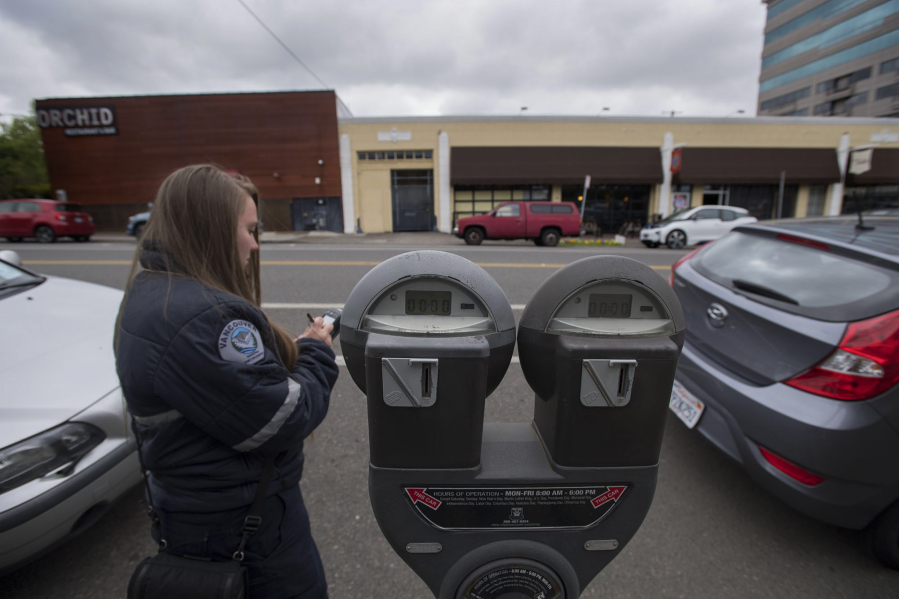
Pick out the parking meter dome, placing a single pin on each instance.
(428, 295)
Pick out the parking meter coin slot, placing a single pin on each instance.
(607, 383)
(409, 382)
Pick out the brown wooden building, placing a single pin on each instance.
(112, 153)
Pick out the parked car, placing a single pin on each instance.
(137, 223)
(66, 450)
(544, 222)
(694, 225)
(791, 363)
(45, 220)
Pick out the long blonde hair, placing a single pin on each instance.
(194, 223)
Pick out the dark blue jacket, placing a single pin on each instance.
(210, 398)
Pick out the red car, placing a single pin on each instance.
(45, 220)
(544, 222)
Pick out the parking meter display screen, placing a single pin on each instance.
(612, 307)
(438, 303)
(609, 305)
(428, 305)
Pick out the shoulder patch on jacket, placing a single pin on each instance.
(241, 342)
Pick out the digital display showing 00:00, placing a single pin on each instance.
(609, 305)
(429, 302)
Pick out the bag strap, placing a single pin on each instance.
(251, 523)
(154, 519)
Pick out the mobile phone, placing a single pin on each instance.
(333, 316)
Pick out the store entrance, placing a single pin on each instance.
(412, 199)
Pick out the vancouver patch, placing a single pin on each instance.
(240, 342)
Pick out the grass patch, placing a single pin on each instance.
(579, 241)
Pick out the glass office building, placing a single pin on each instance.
(830, 58)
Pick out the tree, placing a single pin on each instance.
(23, 172)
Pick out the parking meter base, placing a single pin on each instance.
(460, 529)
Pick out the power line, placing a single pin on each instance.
(283, 45)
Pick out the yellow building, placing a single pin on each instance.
(422, 173)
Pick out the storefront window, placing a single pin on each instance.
(470, 200)
(615, 209)
(761, 200)
(817, 197)
(870, 197)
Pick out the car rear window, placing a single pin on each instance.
(817, 280)
(562, 209)
(541, 208)
(68, 208)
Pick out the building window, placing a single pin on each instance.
(612, 209)
(840, 32)
(849, 54)
(405, 155)
(843, 82)
(786, 99)
(817, 196)
(889, 66)
(870, 197)
(888, 92)
(780, 7)
(828, 10)
(838, 107)
(800, 112)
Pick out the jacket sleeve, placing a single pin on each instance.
(218, 374)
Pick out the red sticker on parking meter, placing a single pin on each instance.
(466, 508)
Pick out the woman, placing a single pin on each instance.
(215, 387)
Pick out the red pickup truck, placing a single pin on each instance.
(544, 222)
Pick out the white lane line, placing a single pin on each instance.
(281, 306)
(341, 362)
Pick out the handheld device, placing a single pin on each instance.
(330, 316)
(333, 316)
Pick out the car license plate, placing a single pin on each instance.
(685, 405)
(78, 219)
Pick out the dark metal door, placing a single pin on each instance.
(413, 199)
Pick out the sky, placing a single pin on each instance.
(396, 57)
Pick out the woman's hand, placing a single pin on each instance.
(318, 329)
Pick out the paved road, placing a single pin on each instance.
(710, 533)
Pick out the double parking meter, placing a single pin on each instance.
(511, 510)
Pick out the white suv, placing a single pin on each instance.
(694, 225)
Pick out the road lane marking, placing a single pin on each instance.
(312, 263)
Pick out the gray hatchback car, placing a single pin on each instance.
(791, 361)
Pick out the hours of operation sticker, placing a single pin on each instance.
(466, 508)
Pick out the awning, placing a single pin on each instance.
(555, 165)
(884, 169)
(722, 166)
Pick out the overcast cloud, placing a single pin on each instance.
(396, 57)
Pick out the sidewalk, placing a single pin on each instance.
(418, 239)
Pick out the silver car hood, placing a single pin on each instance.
(57, 359)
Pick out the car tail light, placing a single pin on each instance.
(61, 217)
(803, 241)
(864, 365)
(679, 262)
(791, 469)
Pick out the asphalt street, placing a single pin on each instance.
(711, 531)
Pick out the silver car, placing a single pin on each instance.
(66, 450)
(791, 363)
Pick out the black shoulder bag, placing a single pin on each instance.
(168, 576)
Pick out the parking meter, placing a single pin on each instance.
(427, 336)
(511, 510)
(599, 344)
